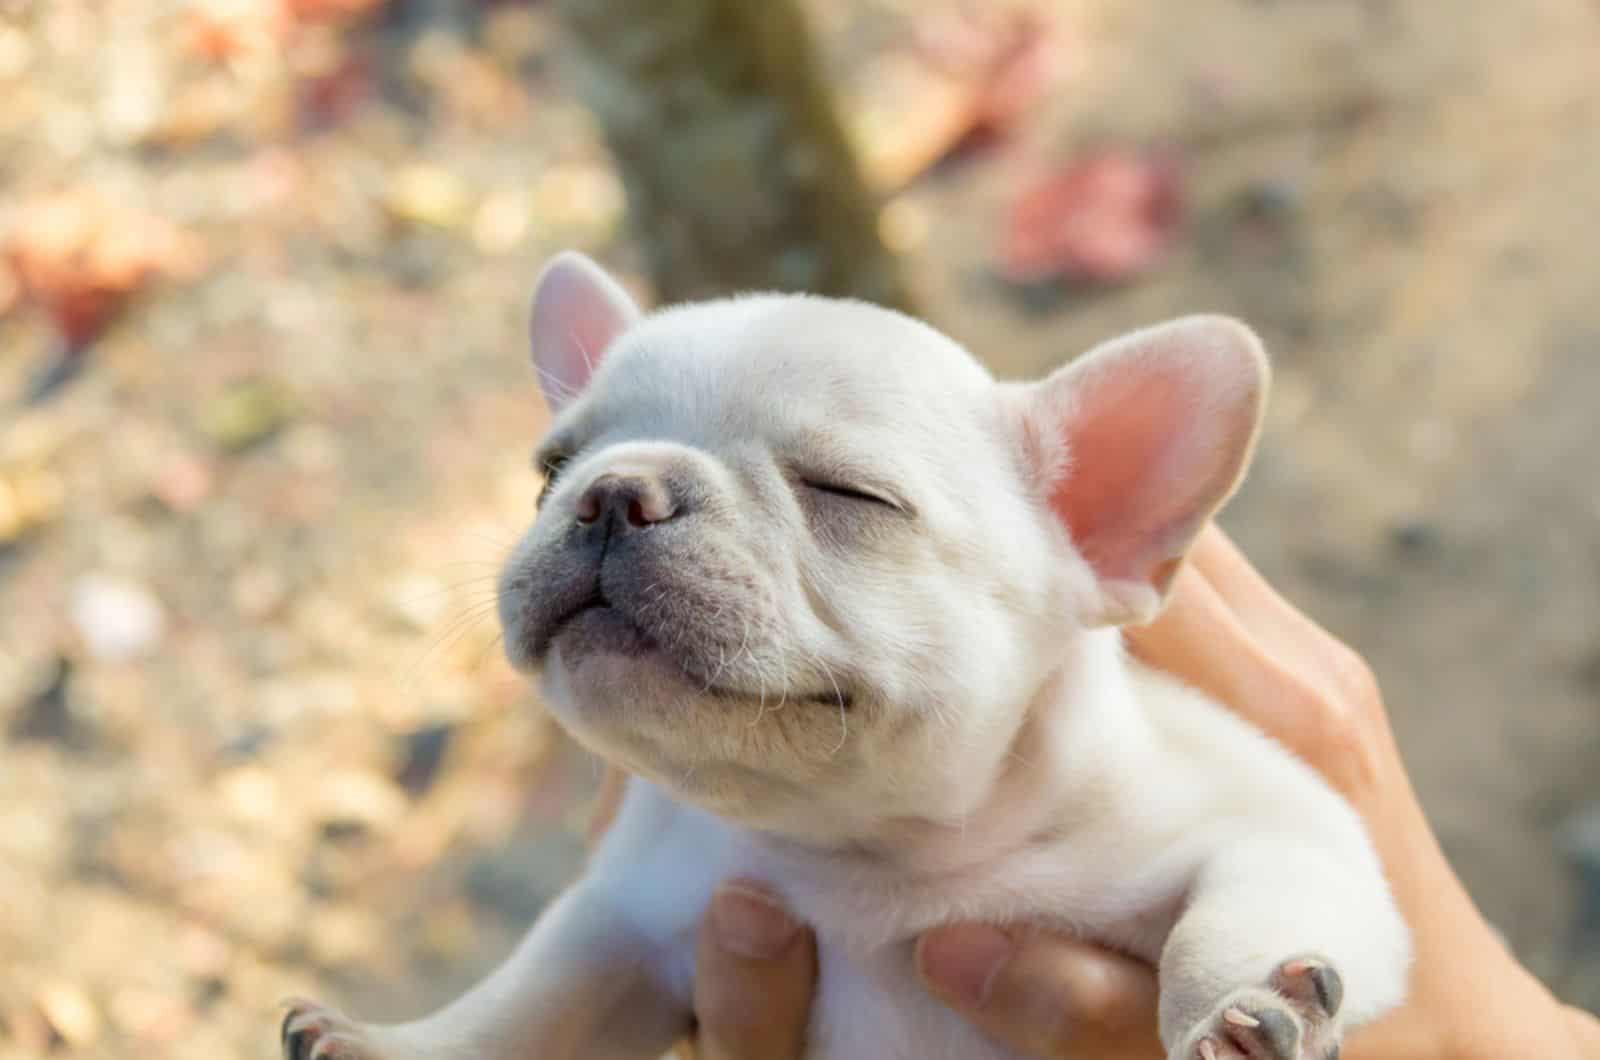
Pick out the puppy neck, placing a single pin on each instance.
(1083, 725)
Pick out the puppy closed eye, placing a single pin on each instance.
(849, 493)
(850, 496)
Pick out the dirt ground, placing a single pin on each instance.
(255, 734)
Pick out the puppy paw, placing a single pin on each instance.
(315, 1032)
(1292, 1017)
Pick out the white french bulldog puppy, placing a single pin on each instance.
(846, 608)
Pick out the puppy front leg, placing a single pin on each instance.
(1281, 946)
(582, 985)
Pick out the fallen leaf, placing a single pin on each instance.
(1104, 218)
(81, 259)
(967, 80)
(1009, 59)
(222, 31)
(118, 620)
(330, 96)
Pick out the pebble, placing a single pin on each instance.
(1580, 840)
(344, 934)
(149, 1014)
(133, 95)
(183, 484)
(1271, 199)
(201, 952)
(502, 222)
(250, 793)
(70, 1013)
(1414, 537)
(427, 195)
(258, 592)
(1580, 843)
(360, 801)
(422, 753)
(245, 413)
(119, 620)
(585, 200)
(514, 33)
(46, 714)
(29, 499)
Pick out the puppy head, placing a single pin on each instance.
(804, 563)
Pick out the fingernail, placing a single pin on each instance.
(961, 962)
(749, 921)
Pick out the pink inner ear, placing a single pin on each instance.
(1120, 496)
(577, 311)
(1157, 429)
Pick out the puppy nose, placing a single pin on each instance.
(625, 500)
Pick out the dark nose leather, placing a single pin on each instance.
(618, 503)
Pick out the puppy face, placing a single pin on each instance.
(804, 563)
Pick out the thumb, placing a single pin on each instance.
(1044, 995)
(755, 967)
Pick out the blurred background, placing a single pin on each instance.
(265, 414)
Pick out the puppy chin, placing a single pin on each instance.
(619, 695)
(640, 711)
(640, 687)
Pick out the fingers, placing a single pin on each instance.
(1283, 629)
(1044, 995)
(1218, 560)
(1204, 641)
(754, 971)
(1200, 639)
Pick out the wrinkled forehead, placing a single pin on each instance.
(789, 371)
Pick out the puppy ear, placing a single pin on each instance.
(577, 310)
(1138, 442)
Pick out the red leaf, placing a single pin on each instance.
(1105, 218)
(80, 259)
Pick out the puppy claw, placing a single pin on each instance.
(311, 1032)
(338, 1047)
(1290, 1017)
(1311, 980)
(1281, 1032)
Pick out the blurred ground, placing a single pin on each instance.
(255, 734)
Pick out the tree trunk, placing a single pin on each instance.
(738, 173)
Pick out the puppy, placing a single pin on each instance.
(846, 608)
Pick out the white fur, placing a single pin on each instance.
(1001, 760)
